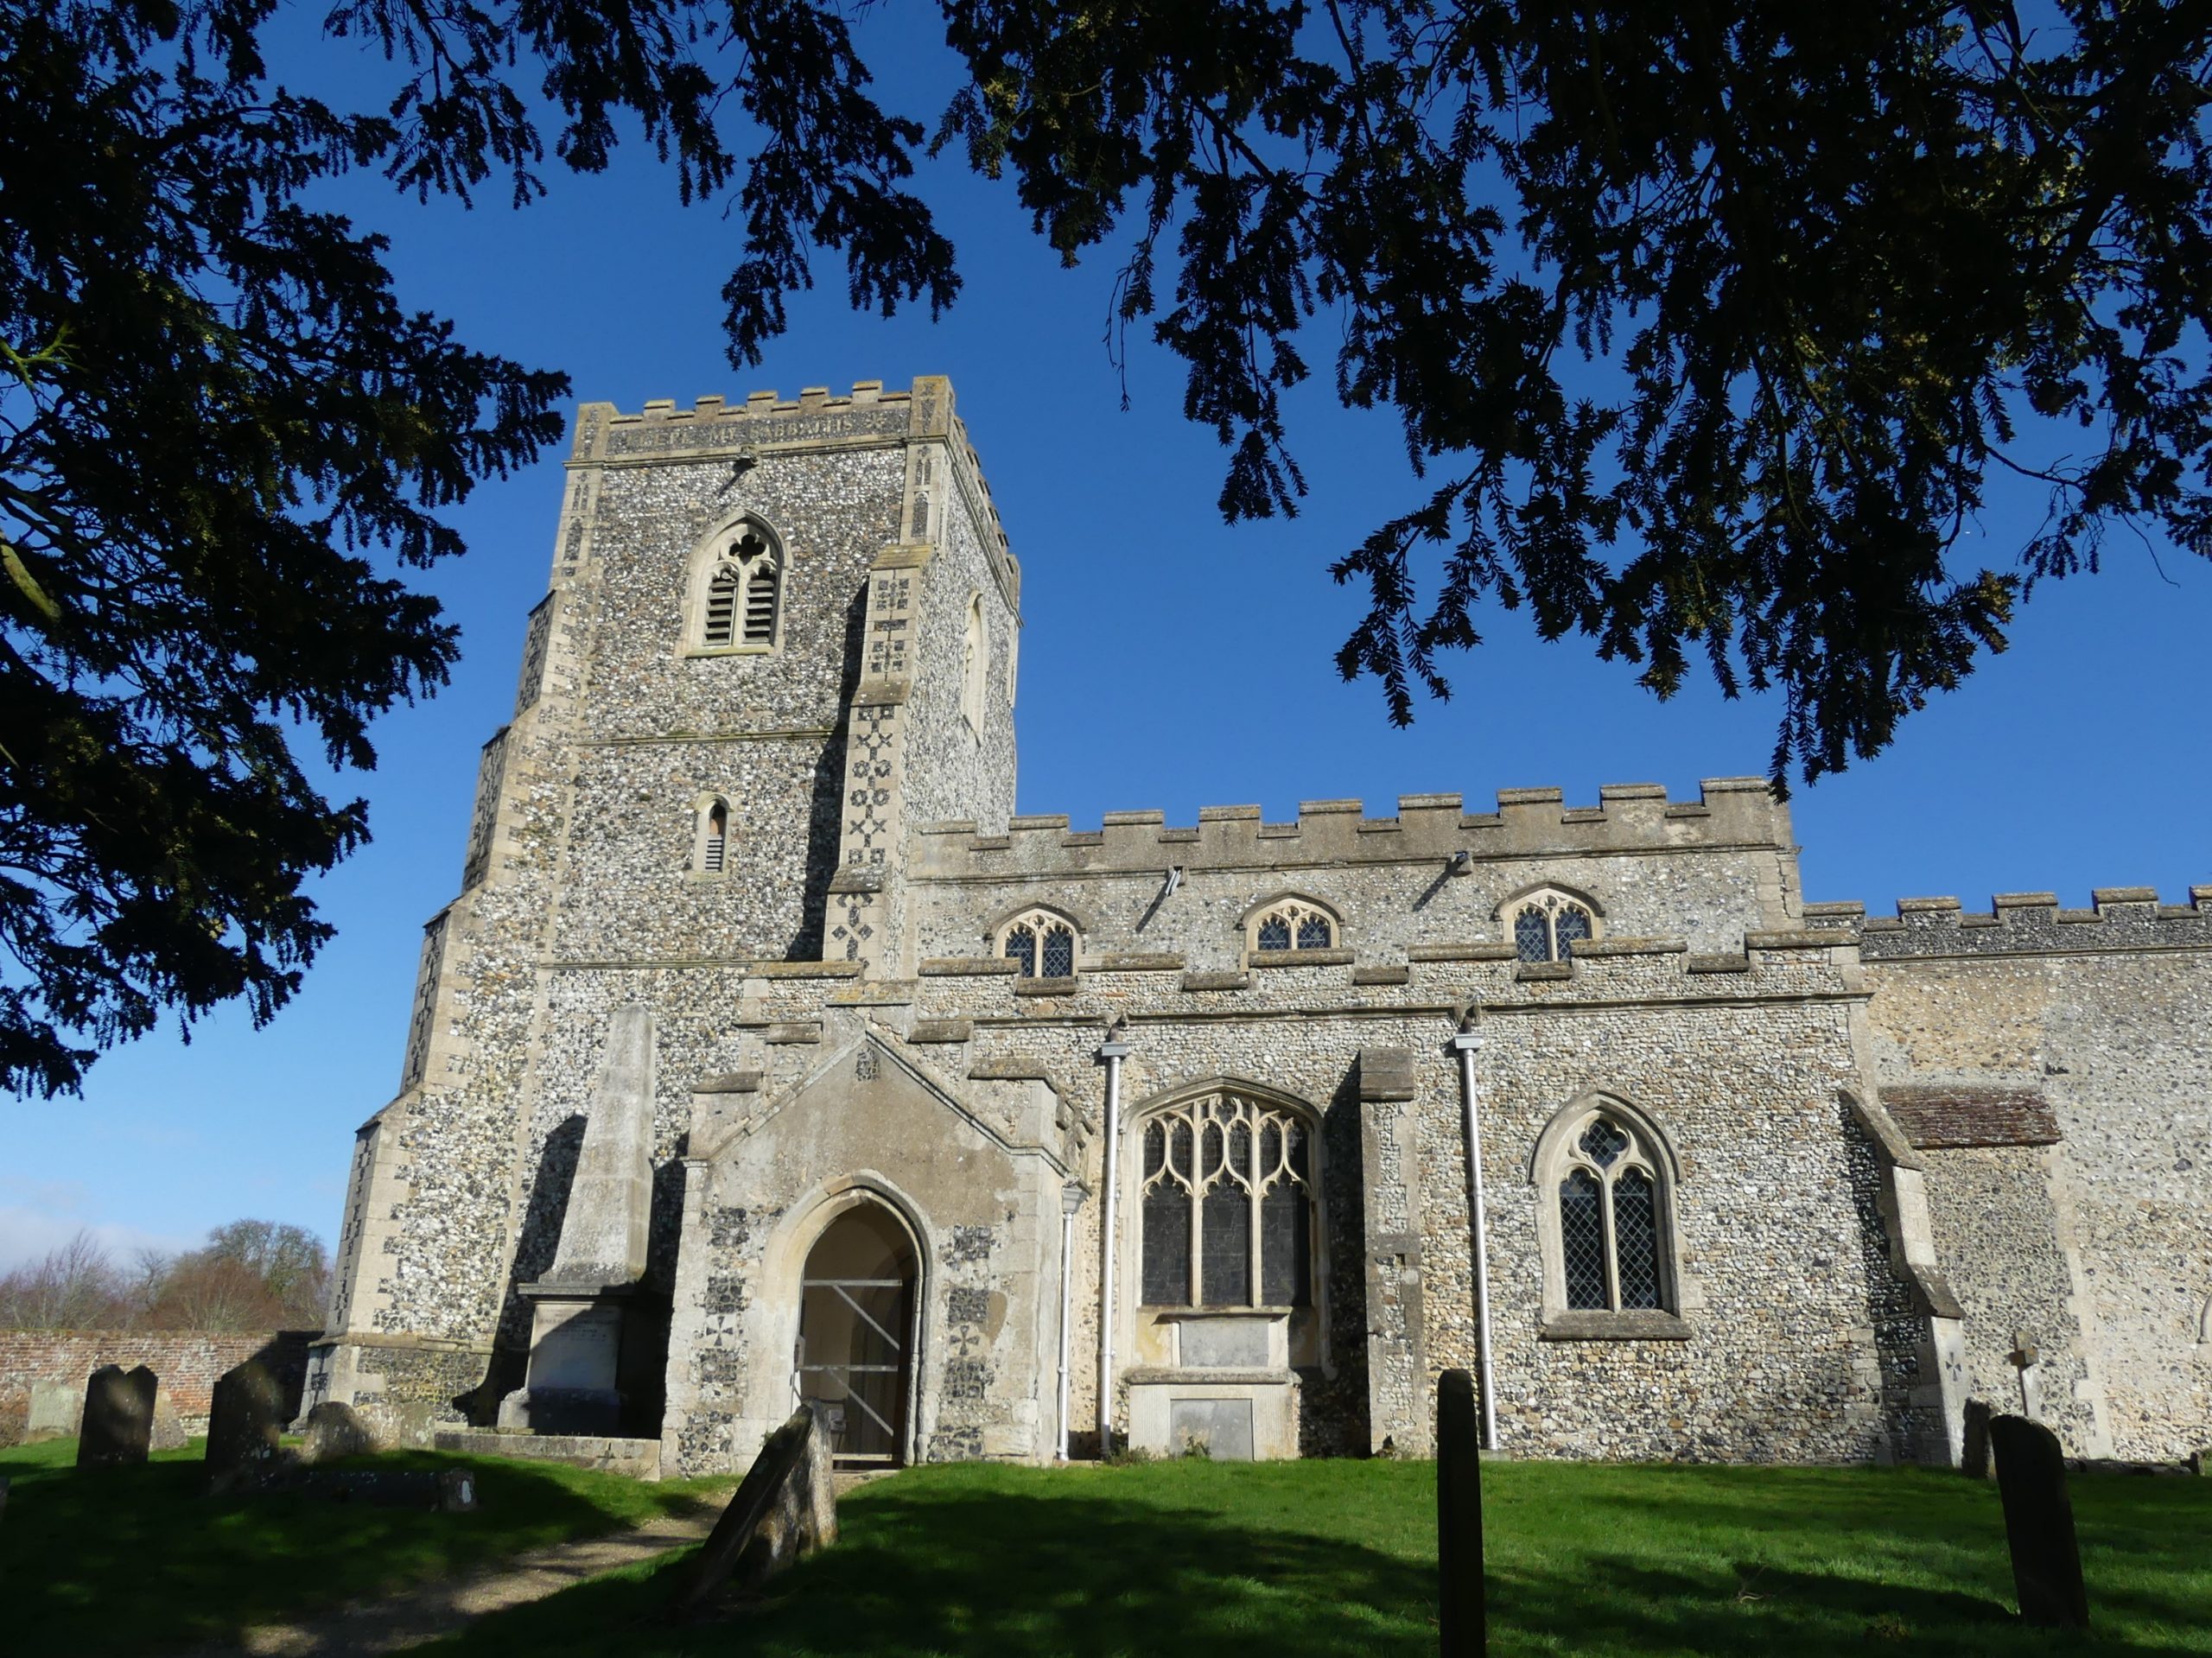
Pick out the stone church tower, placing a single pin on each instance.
(994, 1137)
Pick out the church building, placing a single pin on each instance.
(765, 1056)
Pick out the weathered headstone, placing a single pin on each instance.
(56, 1410)
(118, 1421)
(786, 1507)
(1459, 1518)
(1974, 1458)
(2039, 1524)
(169, 1432)
(243, 1419)
(3, 1497)
(333, 1431)
(457, 1491)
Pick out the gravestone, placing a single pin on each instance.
(786, 1507)
(118, 1422)
(2039, 1524)
(1974, 1460)
(56, 1410)
(333, 1431)
(169, 1432)
(1459, 1518)
(243, 1419)
(3, 1497)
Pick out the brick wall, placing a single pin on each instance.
(187, 1362)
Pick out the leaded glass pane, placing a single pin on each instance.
(1636, 1237)
(1275, 933)
(1179, 1148)
(1060, 953)
(1582, 1239)
(1286, 1245)
(1295, 1133)
(1166, 1247)
(1604, 1142)
(1532, 935)
(1313, 931)
(1226, 1265)
(1021, 946)
(1155, 1147)
(1572, 926)
(1240, 1149)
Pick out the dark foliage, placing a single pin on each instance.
(1835, 267)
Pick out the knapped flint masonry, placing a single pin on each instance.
(748, 846)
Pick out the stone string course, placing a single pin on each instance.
(836, 1025)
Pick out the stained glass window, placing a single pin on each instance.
(1235, 1172)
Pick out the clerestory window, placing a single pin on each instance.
(1226, 1191)
(1041, 943)
(1547, 924)
(1293, 924)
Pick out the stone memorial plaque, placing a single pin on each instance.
(1224, 1343)
(1223, 1426)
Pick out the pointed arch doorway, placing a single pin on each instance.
(858, 1330)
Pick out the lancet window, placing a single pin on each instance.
(713, 849)
(1227, 1193)
(1041, 943)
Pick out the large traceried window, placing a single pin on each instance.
(1605, 1178)
(1547, 924)
(1227, 1188)
(1041, 943)
(743, 600)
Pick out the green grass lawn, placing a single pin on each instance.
(137, 1561)
(1301, 1559)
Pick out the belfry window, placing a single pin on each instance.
(743, 600)
(1547, 924)
(1042, 945)
(1226, 1192)
(1293, 924)
(1613, 1252)
(710, 836)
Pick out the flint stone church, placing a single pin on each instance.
(766, 1057)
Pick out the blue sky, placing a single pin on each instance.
(1167, 662)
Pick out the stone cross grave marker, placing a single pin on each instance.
(119, 1423)
(2039, 1524)
(243, 1419)
(1459, 1518)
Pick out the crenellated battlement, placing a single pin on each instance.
(2121, 917)
(714, 428)
(1729, 812)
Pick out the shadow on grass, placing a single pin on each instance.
(140, 1560)
(992, 1574)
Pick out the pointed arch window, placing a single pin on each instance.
(1226, 1193)
(740, 606)
(1293, 924)
(710, 836)
(1606, 1225)
(1547, 924)
(1041, 943)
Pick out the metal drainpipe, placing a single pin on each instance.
(1465, 1043)
(1110, 1055)
(1071, 1196)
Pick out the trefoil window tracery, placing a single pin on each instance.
(1041, 943)
(1545, 926)
(1226, 1191)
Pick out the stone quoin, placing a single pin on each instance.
(1762, 1180)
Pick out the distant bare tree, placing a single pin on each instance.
(75, 1286)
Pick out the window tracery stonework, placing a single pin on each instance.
(1606, 1226)
(1226, 1195)
(1293, 924)
(738, 602)
(1545, 926)
(1042, 943)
